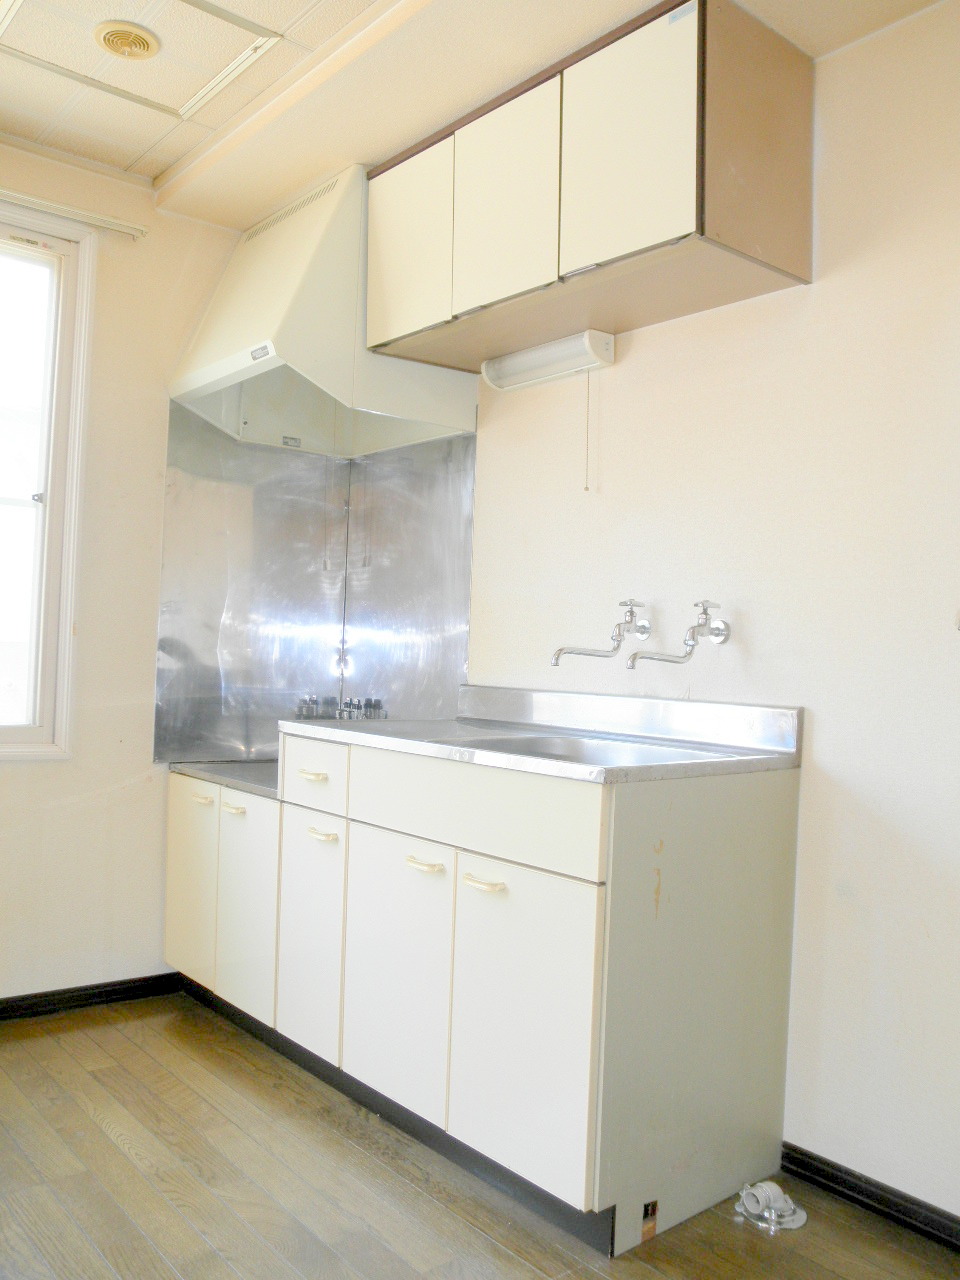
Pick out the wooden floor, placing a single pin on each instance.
(154, 1140)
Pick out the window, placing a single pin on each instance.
(45, 291)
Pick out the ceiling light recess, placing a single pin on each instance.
(576, 354)
(126, 39)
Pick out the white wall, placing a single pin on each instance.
(81, 885)
(797, 458)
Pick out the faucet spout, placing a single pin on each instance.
(689, 645)
(616, 637)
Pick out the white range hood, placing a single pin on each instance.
(280, 356)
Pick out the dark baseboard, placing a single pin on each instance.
(158, 984)
(595, 1229)
(905, 1210)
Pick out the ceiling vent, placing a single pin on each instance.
(126, 39)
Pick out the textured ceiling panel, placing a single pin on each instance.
(56, 35)
(30, 97)
(277, 15)
(112, 120)
(327, 19)
(91, 147)
(181, 139)
(263, 73)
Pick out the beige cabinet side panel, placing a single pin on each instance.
(697, 984)
(396, 996)
(555, 823)
(629, 168)
(524, 1022)
(506, 203)
(313, 855)
(247, 902)
(758, 141)
(190, 920)
(410, 245)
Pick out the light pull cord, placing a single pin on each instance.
(586, 450)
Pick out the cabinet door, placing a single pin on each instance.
(410, 245)
(630, 143)
(190, 922)
(247, 902)
(525, 1022)
(396, 990)
(506, 199)
(313, 856)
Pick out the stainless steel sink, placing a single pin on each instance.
(609, 753)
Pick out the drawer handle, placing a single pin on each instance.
(330, 836)
(485, 886)
(235, 808)
(432, 868)
(202, 799)
(314, 777)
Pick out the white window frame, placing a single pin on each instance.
(49, 739)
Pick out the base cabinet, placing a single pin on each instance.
(220, 926)
(553, 974)
(525, 1020)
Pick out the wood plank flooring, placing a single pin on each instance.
(155, 1141)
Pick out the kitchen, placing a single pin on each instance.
(793, 455)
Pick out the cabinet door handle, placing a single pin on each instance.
(330, 836)
(485, 886)
(202, 799)
(432, 868)
(314, 777)
(234, 808)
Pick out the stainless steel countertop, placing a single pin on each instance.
(258, 777)
(462, 739)
(603, 738)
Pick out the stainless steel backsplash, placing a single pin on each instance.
(287, 575)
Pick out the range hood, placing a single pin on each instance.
(280, 356)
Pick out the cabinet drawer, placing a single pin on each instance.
(555, 823)
(314, 773)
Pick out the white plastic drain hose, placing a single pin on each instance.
(768, 1207)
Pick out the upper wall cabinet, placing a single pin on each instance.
(410, 245)
(506, 196)
(685, 184)
(630, 144)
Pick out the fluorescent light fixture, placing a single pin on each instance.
(576, 354)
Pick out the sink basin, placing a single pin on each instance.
(611, 753)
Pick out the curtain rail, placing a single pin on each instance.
(76, 215)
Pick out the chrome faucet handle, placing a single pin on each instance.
(630, 625)
(717, 629)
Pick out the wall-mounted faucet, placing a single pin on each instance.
(631, 625)
(705, 626)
